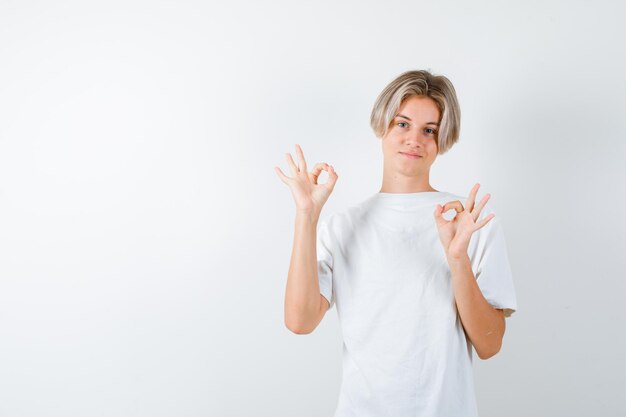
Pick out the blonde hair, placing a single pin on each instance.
(419, 83)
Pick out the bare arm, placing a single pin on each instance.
(483, 323)
(304, 307)
(304, 304)
(303, 300)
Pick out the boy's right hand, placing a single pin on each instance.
(309, 196)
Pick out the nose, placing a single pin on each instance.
(415, 138)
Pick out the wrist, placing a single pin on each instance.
(457, 258)
(307, 215)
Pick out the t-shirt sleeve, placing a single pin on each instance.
(491, 265)
(325, 263)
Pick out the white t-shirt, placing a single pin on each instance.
(405, 352)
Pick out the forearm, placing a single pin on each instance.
(302, 297)
(483, 324)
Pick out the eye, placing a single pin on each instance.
(434, 132)
(402, 123)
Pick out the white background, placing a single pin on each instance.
(145, 237)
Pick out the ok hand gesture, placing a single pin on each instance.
(307, 193)
(455, 234)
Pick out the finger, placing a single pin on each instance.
(317, 170)
(301, 161)
(281, 175)
(453, 205)
(439, 213)
(292, 164)
(480, 206)
(469, 204)
(485, 220)
(332, 179)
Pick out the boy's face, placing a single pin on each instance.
(411, 132)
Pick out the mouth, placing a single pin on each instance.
(411, 156)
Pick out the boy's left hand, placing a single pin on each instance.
(455, 234)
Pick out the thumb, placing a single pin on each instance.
(439, 214)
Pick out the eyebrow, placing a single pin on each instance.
(429, 123)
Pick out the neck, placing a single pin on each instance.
(398, 183)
